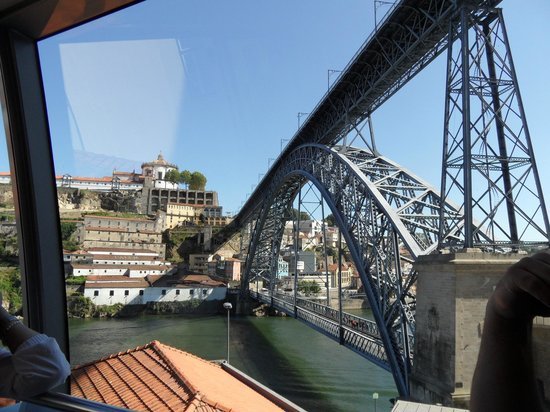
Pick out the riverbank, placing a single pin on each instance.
(82, 307)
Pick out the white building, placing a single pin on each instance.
(122, 252)
(156, 171)
(120, 270)
(201, 287)
(110, 290)
(121, 262)
(5, 178)
(98, 184)
(98, 259)
(78, 256)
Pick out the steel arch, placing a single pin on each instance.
(387, 216)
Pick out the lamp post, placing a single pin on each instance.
(300, 114)
(374, 396)
(228, 306)
(284, 141)
(330, 72)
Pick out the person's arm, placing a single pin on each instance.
(504, 379)
(12, 332)
(36, 363)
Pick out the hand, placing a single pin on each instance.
(524, 291)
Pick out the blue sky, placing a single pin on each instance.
(216, 85)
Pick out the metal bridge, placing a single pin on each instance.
(386, 216)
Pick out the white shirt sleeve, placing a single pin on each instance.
(36, 366)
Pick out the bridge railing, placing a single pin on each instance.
(357, 323)
(354, 322)
(285, 303)
(360, 335)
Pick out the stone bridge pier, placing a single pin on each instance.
(452, 292)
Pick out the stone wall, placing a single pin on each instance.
(77, 199)
(452, 294)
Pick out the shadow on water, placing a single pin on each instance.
(92, 339)
(261, 358)
(292, 359)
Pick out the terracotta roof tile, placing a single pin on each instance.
(98, 256)
(131, 219)
(158, 377)
(114, 281)
(127, 267)
(179, 280)
(112, 249)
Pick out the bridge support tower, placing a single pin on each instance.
(452, 293)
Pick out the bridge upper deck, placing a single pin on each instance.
(412, 34)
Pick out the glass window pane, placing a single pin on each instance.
(163, 119)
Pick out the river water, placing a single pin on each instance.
(284, 354)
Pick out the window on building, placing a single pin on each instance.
(126, 292)
(191, 292)
(111, 293)
(163, 292)
(204, 291)
(96, 292)
(177, 291)
(141, 292)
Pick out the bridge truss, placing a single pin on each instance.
(387, 217)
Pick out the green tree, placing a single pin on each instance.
(330, 220)
(173, 176)
(70, 245)
(185, 178)
(303, 215)
(10, 286)
(67, 229)
(198, 181)
(308, 287)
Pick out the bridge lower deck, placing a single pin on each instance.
(356, 333)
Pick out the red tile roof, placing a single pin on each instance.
(121, 230)
(125, 267)
(98, 256)
(158, 377)
(114, 281)
(187, 204)
(183, 281)
(131, 219)
(202, 280)
(119, 250)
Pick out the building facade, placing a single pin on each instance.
(119, 233)
(110, 290)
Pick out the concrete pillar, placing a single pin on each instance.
(541, 355)
(452, 293)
